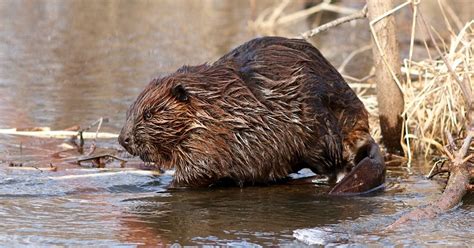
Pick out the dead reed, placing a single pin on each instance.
(434, 103)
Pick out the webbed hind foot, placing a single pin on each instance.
(367, 176)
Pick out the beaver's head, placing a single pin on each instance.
(157, 121)
(197, 120)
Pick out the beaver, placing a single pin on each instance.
(268, 108)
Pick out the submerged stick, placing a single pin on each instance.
(31, 168)
(99, 160)
(20, 166)
(107, 174)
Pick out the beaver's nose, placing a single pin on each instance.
(124, 140)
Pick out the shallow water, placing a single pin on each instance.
(64, 63)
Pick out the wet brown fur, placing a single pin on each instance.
(266, 109)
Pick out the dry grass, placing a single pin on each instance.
(434, 102)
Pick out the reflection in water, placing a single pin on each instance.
(70, 62)
(64, 63)
(251, 214)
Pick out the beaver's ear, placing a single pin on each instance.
(180, 93)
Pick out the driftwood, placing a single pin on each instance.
(58, 134)
(20, 166)
(456, 188)
(108, 173)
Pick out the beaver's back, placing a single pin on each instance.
(276, 63)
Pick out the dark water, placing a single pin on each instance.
(64, 63)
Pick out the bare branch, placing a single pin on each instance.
(325, 5)
(358, 15)
(354, 53)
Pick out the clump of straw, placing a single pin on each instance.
(434, 102)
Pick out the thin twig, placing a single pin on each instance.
(451, 143)
(358, 15)
(465, 147)
(81, 138)
(437, 168)
(449, 153)
(360, 80)
(94, 141)
(325, 5)
(343, 65)
(453, 15)
(278, 10)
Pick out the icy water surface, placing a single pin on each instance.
(64, 63)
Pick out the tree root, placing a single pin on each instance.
(457, 186)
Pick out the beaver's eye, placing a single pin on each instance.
(147, 115)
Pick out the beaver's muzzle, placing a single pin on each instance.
(126, 141)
